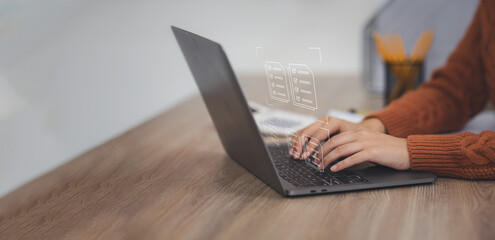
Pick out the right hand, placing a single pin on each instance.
(322, 129)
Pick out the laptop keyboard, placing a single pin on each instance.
(302, 175)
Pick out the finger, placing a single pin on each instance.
(298, 144)
(293, 144)
(323, 133)
(350, 161)
(314, 141)
(335, 141)
(317, 156)
(310, 147)
(301, 136)
(340, 152)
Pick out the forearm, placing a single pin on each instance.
(464, 155)
(455, 93)
(425, 111)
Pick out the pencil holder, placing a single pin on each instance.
(401, 77)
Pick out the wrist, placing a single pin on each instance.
(406, 158)
(373, 124)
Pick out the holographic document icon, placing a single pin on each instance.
(302, 83)
(277, 81)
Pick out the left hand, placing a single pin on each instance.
(362, 145)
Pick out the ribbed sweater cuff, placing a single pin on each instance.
(439, 154)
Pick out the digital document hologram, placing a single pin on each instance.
(303, 88)
(277, 81)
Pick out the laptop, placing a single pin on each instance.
(243, 142)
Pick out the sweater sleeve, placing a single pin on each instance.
(455, 93)
(464, 155)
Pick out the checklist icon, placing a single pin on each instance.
(277, 81)
(302, 83)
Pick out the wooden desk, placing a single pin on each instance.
(169, 178)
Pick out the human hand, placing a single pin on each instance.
(361, 145)
(322, 130)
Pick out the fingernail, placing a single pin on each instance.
(291, 151)
(306, 155)
(334, 168)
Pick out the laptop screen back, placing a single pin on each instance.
(227, 106)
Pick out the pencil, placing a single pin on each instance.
(403, 66)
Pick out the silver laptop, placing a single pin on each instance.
(242, 140)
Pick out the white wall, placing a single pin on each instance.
(74, 74)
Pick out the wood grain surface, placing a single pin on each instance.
(169, 178)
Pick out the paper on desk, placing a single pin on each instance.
(281, 123)
(276, 122)
(265, 120)
(344, 115)
(481, 122)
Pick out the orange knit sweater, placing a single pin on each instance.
(456, 92)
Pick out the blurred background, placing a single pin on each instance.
(76, 73)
